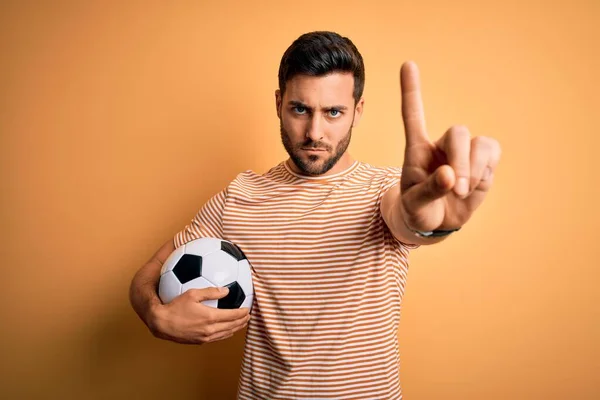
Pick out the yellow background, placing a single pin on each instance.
(117, 121)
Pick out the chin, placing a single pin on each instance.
(314, 159)
(313, 165)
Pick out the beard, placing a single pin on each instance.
(313, 166)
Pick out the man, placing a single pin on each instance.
(328, 237)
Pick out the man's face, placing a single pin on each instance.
(316, 117)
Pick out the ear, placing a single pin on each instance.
(358, 110)
(278, 100)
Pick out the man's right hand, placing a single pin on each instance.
(186, 320)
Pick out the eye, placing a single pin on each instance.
(299, 110)
(334, 113)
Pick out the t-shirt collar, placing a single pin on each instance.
(321, 177)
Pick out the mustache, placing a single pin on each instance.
(311, 144)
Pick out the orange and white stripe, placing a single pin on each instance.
(328, 278)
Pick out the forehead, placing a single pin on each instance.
(333, 88)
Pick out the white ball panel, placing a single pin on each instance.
(169, 287)
(200, 283)
(172, 259)
(219, 268)
(247, 302)
(203, 246)
(211, 303)
(244, 277)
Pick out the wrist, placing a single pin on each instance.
(436, 233)
(427, 234)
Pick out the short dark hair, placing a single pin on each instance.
(320, 53)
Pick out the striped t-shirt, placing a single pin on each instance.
(328, 278)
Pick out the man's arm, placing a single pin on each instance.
(142, 292)
(185, 319)
(391, 211)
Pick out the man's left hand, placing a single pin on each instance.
(444, 181)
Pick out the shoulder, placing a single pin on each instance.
(253, 179)
(377, 179)
(378, 173)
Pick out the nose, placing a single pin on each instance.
(314, 129)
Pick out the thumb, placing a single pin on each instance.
(212, 293)
(435, 186)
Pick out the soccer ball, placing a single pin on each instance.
(205, 263)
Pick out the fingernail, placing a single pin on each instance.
(223, 289)
(462, 187)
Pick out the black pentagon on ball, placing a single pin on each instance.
(234, 298)
(188, 267)
(233, 251)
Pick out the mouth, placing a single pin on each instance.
(313, 150)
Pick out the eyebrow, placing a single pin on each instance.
(296, 103)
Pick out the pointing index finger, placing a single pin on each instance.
(413, 114)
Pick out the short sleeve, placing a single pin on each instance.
(208, 222)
